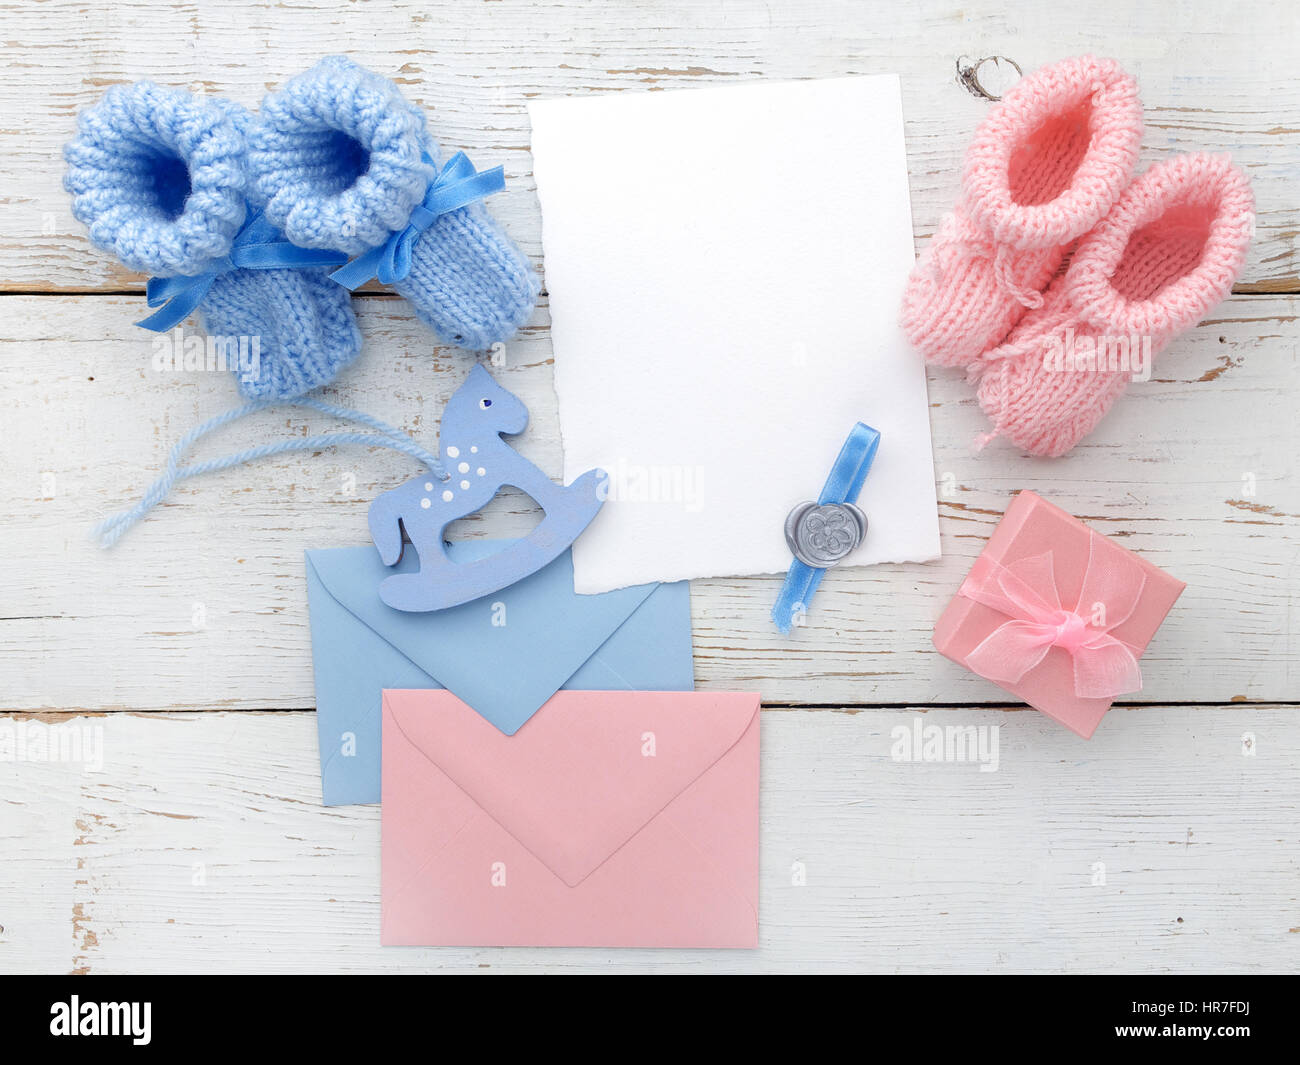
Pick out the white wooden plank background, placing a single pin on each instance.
(1214, 76)
(1159, 846)
(1171, 472)
(199, 615)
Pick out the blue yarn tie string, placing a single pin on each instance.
(109, 531)
(257, 246)
(457, 185)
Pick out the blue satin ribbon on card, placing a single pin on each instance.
(844, 485)
(257, 246)
(457, 185)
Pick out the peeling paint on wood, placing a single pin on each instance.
(1073, 856)
(1198, 476)
(201, 846)
(1209, 83)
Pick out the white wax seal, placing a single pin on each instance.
(821, 534)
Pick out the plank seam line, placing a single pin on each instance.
(1250, 289)
(1186, 705)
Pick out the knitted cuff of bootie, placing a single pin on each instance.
(1044, 166)
(1049, 160)
(158, 177)
(343, 161)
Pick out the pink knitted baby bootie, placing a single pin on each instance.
(1045, 166)
(1164, 257)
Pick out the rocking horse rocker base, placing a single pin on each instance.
(441, 583)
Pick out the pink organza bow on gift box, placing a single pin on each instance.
(1104, 667)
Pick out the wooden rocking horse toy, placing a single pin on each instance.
(478, 463)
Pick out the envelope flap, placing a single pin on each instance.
(587, 772)
(520, 644)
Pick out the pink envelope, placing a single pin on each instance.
(611, 819)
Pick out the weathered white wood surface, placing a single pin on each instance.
(204, 603)
(1158, 846)
(1215, 77)
(909, 867)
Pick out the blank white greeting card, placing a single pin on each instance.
(725, 268)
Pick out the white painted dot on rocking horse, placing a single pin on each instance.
(480, 471)
(448, 496)
(428, 486)
(424, 502)
(463, 467)
(453, 452)
(464, 485)
(474, 450)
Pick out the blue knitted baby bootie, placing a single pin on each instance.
(160, 179)
(343, 161)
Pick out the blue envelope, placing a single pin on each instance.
(505, 654)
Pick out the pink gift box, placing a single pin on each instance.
(1056, 614)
